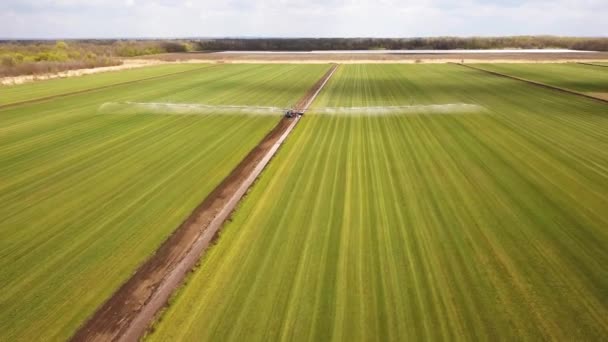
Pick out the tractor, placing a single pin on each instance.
(292, 113)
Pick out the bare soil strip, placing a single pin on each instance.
(600, 95)
(46, 98)
(593, 64)
(345, 58)
(127, 64)
(536, 83)
(128, 313)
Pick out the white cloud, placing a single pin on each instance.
(281, 18)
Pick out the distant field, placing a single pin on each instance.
(578, 77)
(430, 224)
(87, 195)
(40, 89)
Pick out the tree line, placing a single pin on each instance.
(31, 57)
(431, 43)
(22, 57)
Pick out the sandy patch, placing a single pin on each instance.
(384, 57)
(375, 61)
(127, 64)
(603, 96)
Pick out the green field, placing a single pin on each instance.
(53, 87)
(86, 195)
(577, 77)
(436, 225)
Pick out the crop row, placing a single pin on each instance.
(436, 225)
(589, 79)
(87, 195)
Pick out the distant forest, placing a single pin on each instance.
(434, 43)
(31, 57)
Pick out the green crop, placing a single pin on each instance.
(577, 77)
(54, 87)
(438, 225)
(87, 195)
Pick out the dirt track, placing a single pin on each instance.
(128, 313)
(598, 98)
(345, 58)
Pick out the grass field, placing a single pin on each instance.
(86, 196)
(578, 77)
(488, 225)
(42, 89)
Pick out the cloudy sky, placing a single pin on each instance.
(301, 18)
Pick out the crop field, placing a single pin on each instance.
(54, 87)
(88, 191)
(476, 210)
(582, 78)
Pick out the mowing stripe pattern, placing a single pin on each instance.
(87, 197)
(417, 227)
(49, 89)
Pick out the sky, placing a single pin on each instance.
(299, 18)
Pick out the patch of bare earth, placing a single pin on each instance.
(127, 64)
(603, 96)
(346, 58)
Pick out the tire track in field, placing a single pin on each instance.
(396, 239)
(383, 313)
(300, 277)
(341, 288)
(90, 90)
(328, 234)
(544, 85)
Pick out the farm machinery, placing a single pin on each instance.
(292, 113)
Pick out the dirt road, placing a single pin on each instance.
(346, 58)
(587, 95)
(129, 312)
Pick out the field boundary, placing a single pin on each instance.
(128, 313)
(90, 90)
(593, 64)
(544, 85)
